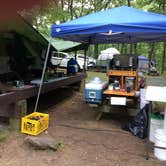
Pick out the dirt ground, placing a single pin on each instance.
(87, 142)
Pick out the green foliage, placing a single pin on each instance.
(92, 74)
(66, 10)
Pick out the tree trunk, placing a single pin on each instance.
(151, 51)
(135, 49)
(71, 9)
(62, 4)
(163, 4)
(121, 50)
(96, 51)
(163, 58)
(118, 46)
(128, 3)
(131, 49)
(125, 48)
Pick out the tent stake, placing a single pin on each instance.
(42, 77)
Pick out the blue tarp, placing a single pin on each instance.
(118, 25)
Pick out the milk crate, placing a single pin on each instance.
(34, 123)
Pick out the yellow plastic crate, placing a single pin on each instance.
(34, 123)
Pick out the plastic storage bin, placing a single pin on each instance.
(94, 91)
(156, 122)
(160, 140)
(34, 123)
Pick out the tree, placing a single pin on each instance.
(163, 58)
(128, 3)
(64, 10)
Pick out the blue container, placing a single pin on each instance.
(94, 91)
(72, 66)
(93, 96)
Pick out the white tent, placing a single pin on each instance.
(108, 54)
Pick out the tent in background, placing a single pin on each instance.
(108, 54)
(118, 25)
(105, 56)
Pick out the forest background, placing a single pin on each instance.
(58, 11)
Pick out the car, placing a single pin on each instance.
(80, 61)
(61, 59)
(90, 62)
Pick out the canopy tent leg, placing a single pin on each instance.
(42, 77)
(85, 64)
(85, 60)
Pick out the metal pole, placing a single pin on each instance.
(148, 131)
(85, 60)
(42, 77)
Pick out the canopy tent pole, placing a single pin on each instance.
(86, 55)
(85, 64)
(75, 55)
(42, 77)
(85, 60)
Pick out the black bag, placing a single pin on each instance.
(139, 124)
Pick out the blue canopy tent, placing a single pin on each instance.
(118, 25)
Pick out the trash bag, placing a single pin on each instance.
(138, 126)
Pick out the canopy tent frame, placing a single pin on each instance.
(43, 73)
(115, 26)
(97, 29)
(147, 27)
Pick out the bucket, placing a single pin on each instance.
(156, 122)
(160, 140)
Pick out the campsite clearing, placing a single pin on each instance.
(73, 123)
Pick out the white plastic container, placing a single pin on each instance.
(160, 140)
(155, 123)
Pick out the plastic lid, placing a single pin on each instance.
(96, 80)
